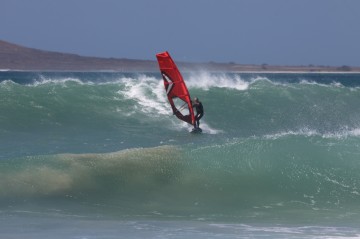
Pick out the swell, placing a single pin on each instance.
(287, 172)
(108, 140)
(268, 107)
(230, 100)
(106, 112)
(86, 175)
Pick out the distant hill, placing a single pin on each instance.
(16, 57)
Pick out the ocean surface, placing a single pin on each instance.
(99, 155)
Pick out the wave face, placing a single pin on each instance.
(273, 145)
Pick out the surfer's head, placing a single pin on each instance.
(196, 99)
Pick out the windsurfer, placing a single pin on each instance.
(199, 112)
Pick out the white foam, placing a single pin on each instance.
(6, 84)
(304, 132)
(148, 92)
(208, 130)
(205, 81)
(150, 96)
(355, 132)
(290, 232)
(340, 134)
(333, 84)
(56, 81)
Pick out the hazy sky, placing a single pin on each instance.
(283, 32)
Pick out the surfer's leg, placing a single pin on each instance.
(197, 122)
(198, 117)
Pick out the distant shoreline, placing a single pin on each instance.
(188, 70)
(18, 58)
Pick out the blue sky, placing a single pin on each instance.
(279, 32)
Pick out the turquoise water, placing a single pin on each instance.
(100, 155)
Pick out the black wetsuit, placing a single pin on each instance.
(199, 113)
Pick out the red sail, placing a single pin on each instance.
(176, 90)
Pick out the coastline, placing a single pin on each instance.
(19, 58)
(187, 70)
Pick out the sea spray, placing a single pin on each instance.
(83, 175)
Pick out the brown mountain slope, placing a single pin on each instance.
(17, 57)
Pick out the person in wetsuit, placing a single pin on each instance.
(199, 112)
